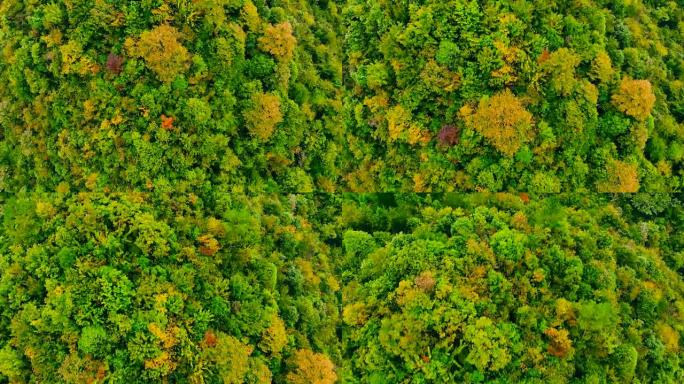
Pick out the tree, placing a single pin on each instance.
(279, 41)
(262, 115)
(398, 122)
(162, 52)
(509, 244)
(274, 338)
(602, 67)
(11, 363)
(634, 98)
(596, 317)
(230, 355)
(559, 342)
(626, 358)
(93, 340)
(198, 110)
(209, 245)
(449, 135)
(503, 121)
(311, 368)
(488, 345)
(114, 63)
(621, 178)
(561, 66)
(167, 122)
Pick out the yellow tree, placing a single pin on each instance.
(635, 98)
(162, 52)
(622, 178)
(263, 115)
(274, 338)
(311, 368)
(230, 356)
(503, 121)
(561, 66)
(559, 342)
(279, 41)
(602, 67)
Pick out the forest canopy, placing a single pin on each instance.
(341, 191)
(254, 96)
(357, 288)
(541, 96)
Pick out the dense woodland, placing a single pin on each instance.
(341, 191)
(249, 96)
(360, 288)
(540, 96)
(229, 95)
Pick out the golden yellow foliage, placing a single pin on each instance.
(75, 369)
(279, 41)
(311, 368)
(519, 220)
(559, 342)
(259, 372)
(622, 178)
(419, 183)
(377, 102)
(162, 362)
(250, 15)
(45, 209)
(167, 336)
(73, 60)
(263, 115)
(510, 56)
(602, 67)
(564, 310)
(400, 126)
(307, 270)
(231, 357)
(561, 66)
(406, 293)
(440, 78)
(669, 336)
(209, 245)
(215, 227)
(91, 181)
(274, 338)
(503, 121)
(635, 98)
(355, 314)
(162, 52)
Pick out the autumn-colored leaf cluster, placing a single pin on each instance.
(162, 51)
(634, 98)
(503, 121)
(278, 40)
(311, 368)
(263, 115)
(622, 177)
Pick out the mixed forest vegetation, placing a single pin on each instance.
(540, 96)
(361, 288)
(341, 191)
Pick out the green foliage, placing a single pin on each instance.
(511, 283)
(508, 244)
(92, 82)
(213, 191)
(488, 351)
(93, 341)
(164, 287)
(122, 287)
(590, 71)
